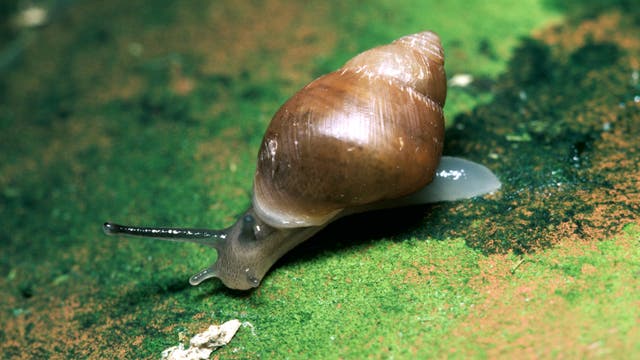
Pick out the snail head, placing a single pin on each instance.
(246, 250)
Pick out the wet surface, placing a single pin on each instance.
(561, 134)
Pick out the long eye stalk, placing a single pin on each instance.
(198, 236)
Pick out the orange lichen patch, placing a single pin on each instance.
(535, 315)
(240, 35)
(418, 274)
(606, 27)
(199, 316)
(300, 36)
(180, 83)
(588, 269)
(44, 324)
(80, 324)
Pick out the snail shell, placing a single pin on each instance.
(367, 136)
(371, 131)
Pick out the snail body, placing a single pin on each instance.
(367, 136)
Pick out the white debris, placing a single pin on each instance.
(461, 80)
(32, 16)
(203, 344)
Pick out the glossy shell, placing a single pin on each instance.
(371, 131)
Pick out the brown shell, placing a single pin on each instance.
(371, 131)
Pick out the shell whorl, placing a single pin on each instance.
(416, 61)
(370, 131)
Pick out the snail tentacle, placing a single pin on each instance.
(199, 236)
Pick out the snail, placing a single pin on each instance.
(367, 136)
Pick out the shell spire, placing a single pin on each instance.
(415, 60)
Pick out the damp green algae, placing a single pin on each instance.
(559, 120)
(129, 122)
